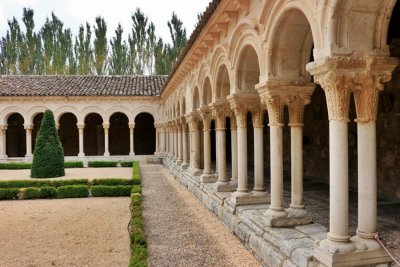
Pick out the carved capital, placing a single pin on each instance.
(192, 120)
(258, 116)
(221, 112)
(233, 121)
(240, 114)
(275, 105)
(295, 104)
(106, 126)
(206, 116)
(28, 127)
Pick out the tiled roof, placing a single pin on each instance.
(75, 85)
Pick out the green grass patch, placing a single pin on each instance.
(102, 164)
(73, 191)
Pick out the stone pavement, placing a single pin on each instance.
(182, 232)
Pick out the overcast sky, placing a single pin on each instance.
(76, 12)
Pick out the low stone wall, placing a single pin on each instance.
(272, 246)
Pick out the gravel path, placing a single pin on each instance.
(180, 231)
(65, 232)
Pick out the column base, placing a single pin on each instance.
(192, 171)
(246, 198)
(28, 158)
(225, 186)
(357, 252)
(286, 218)
(178, 162)
(106, 154)
(81, 155)
(208, 178)
(131, 154)
(184, 165)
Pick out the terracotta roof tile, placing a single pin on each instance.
(75, 85)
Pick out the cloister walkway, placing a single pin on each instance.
(182, 232)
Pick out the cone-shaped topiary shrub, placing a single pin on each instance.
(48, 157)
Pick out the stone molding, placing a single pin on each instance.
(206, 116)
(221, 111)
(193, 120)
(241, 104)
(363, 76)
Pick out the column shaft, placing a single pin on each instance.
(207, 151)
(196, 149)
(367, 179)
(81, 152)
(106, 151)
(242, 164)
(276, 168)
(258, 159)
(131, 141)
(221, 153)
(185, 145)
(297, 166)
(28, 131)
(338, 180)
(234, 153)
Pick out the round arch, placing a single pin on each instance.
(33, 112)
(15, 136)
(119, 142)
(93, 135)
(206, 92)
(68, 132)
(92, 109)
(119, 109)
(248, 71)
(62, 110)
(11, 110)
(196, 98)
(145, 134)
(222, 85)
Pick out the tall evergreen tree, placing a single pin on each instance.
(10, 47)
(178, 36)
(137, 43)
(100, 46)
(48, 157)
(27, 60)
(83, 50)
(118, 59)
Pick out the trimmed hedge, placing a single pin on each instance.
(102, 164)
(73, 164)
(73, 191)
(126, 163)
(47, 192)
(137, 233)
(114, 181)
(41, 183)
(136, 173)
(48, 157)
(15, 165)
(9, 193)
(111, 191)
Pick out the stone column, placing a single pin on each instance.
(157, 127)
(241, 121)
(106, 127)
(296, 105)
(176, 141)
(184, 143)
(275, 105)
(28, 130)
(337, 85)
(162, 139)
(3, 148)
(179, 142)
(193, 123)
(205, 114)
(234, 148)
(366, 90)
(258, 118)
(81, 127)
(131, 139)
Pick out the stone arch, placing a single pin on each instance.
(144, 109)
(290, 45)
(36, 122)
(244, 36)
(15, 136)
(178, 108)
(92, 109)
(183, 106)
(10, 110)
(196, 98)
(206, 97)
(93, 134)
(62, 110)
(33, 112)
(119, 109)
(68, 132)
(248, 70)
(119, 138)
(145, 134)
(222, 85)
(360, 26)
(219, 59)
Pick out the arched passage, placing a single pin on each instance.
(69, 135)
(249, 70)
(93, 135)
(15, 136)
(119, 134)
(145, 134)
(37, 121)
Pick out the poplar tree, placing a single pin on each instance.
(178, 36)
(100, 46)
(83, 50)
(137, 43)
(118, 59)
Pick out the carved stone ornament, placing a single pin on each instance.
(258, 116)
(233, 121)
(295, 104)
(220, 114)
(275, 105)
(193, 122)
(206, 116)
(240, 114)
